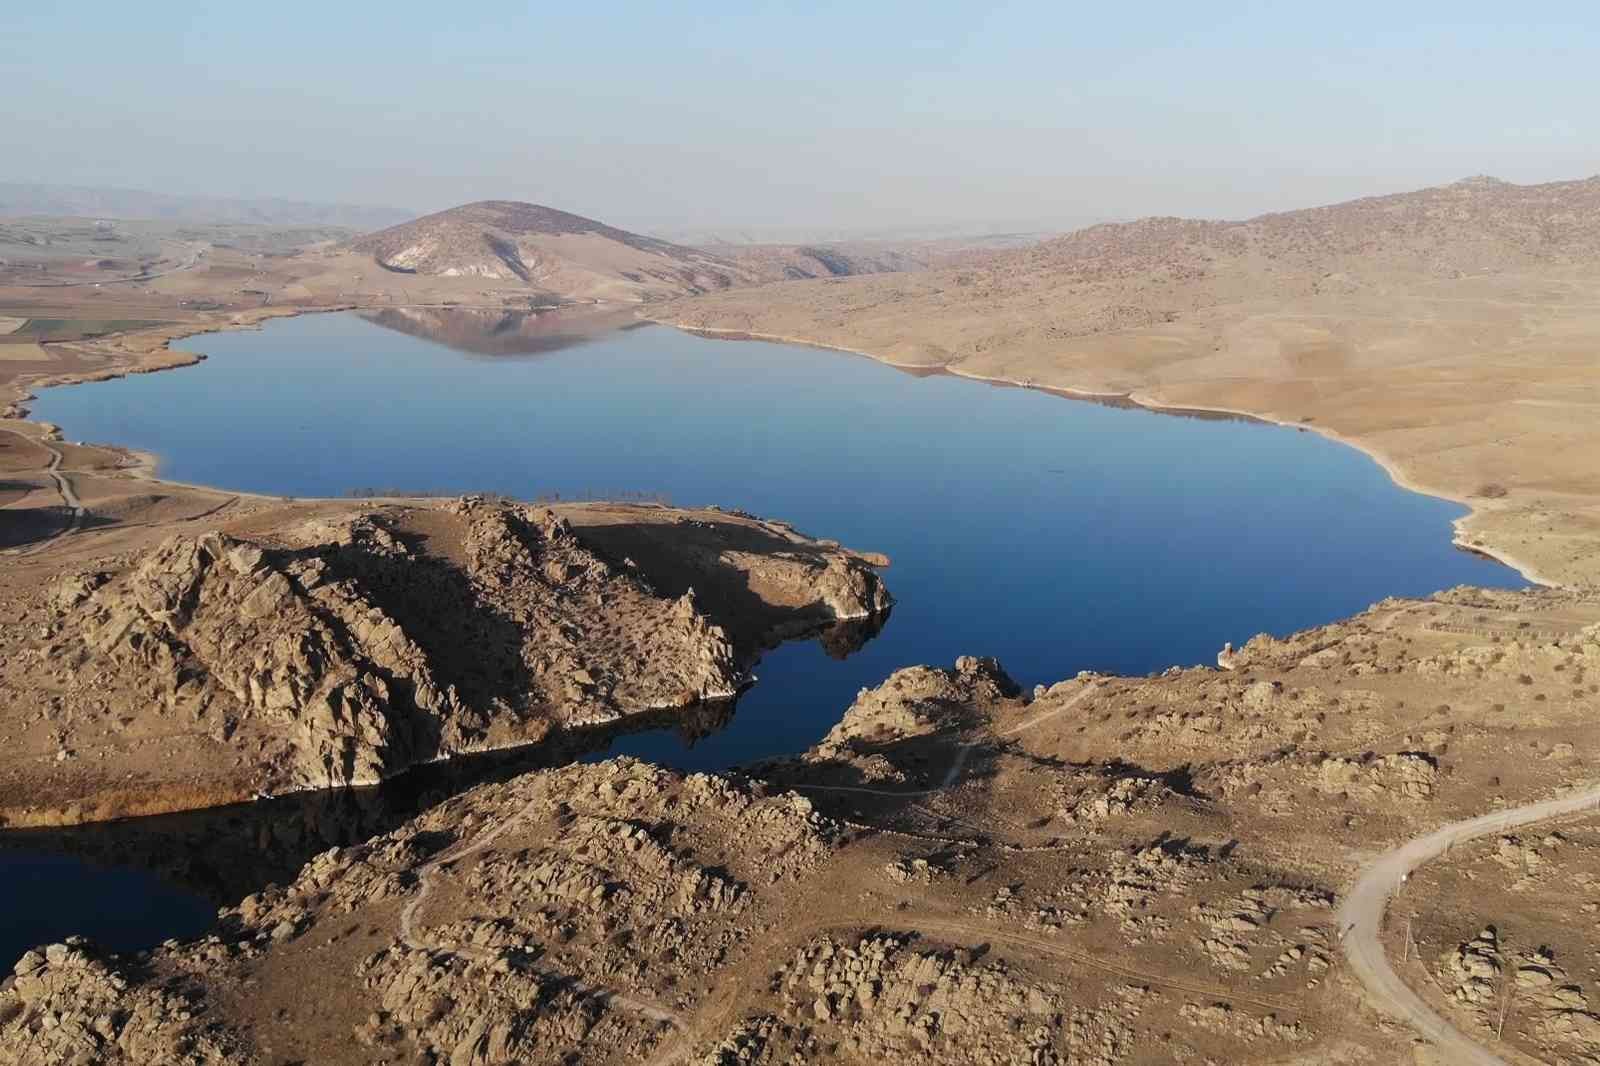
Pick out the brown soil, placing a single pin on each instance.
(298, 646)
(1121, 870)
(1106, 870)
(1448, 332)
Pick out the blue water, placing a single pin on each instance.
(47, 897)
(1056, 535)
(1053, 534)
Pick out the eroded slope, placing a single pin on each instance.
(343, 649)
(1107, 870)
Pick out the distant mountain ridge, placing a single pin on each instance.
(1118, 276)
(24, 198)
(547, 250)
(1478, 223)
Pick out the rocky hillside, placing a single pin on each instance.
(792, 262)
(1120, 276)
(1103, 871)
(343, 650)
(561, 255)
(1474, 225)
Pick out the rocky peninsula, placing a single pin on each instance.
(319, 646)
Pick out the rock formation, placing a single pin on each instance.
(343, 650)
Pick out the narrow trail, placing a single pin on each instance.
(69, 495)
(790, 937)
(689, 1034)
(414, 939)
(64, 489)
(1361, 916)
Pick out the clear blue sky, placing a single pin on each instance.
(866, 114)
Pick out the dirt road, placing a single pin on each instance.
(1360, 919)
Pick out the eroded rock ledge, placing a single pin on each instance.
(340, 650)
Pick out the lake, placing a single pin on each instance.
(1053, 534)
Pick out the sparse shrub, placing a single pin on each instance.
(1492, 491)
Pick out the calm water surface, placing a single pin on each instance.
(1055, 535)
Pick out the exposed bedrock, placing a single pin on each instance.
(1113, 869)
(343, 650)
(598, 896)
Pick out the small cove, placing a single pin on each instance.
(1055, 535)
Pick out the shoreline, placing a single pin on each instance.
(146, 464)
(1150, 403)
(103, 809)
(20, 390)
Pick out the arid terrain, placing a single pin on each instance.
(1175, 868)
(559, 255)
(1449, 332)
(278, 649)
(1108, 870)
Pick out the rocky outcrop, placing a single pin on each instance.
(549, 918)
(884, 999)
(917, 701)
(67, 1005)
(365, 657)
(347, 648)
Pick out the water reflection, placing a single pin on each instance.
(133, 883)
(498, 332)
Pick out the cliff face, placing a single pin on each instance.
(345, 650)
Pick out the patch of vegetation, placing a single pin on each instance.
(77, 329)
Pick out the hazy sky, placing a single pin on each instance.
(717, 113)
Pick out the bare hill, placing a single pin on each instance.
(1119, 275)
(1430, 328)
(550, 251)
(1475, 225)
(836, 259)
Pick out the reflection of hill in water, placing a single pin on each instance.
(496, 332)
(224, 854)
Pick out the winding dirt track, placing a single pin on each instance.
(69, 498)
(1361, 919)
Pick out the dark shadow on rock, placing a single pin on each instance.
(468, 643)
(21, 527)
(226, 853)
(673, 557)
